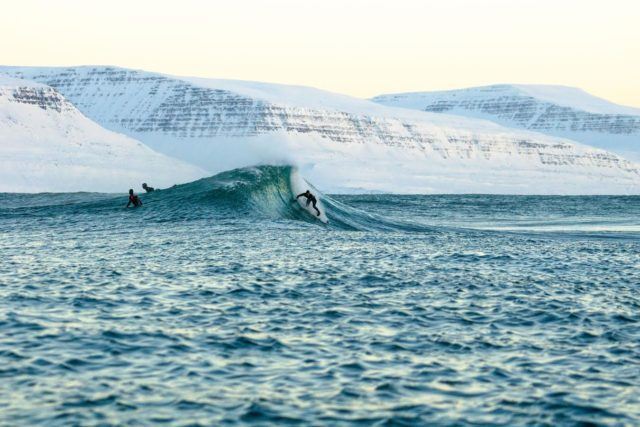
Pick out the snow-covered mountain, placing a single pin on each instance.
(340, 143)
(554, 110)
(46, 144)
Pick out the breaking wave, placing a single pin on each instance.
(252, 192)
(269, 191)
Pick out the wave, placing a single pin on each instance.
(270, 191)
(260, 191)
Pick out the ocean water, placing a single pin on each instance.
(221, 302)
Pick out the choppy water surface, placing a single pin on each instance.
(220, 302)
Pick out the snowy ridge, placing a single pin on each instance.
(564, 96)
(7, 82)
(576, 98)
(554, 110)
(341, 143)
(46, 144)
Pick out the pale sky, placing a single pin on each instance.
(357, 47)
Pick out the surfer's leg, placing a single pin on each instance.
(316, 208)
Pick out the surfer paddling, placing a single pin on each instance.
(310, 199)
(134, 199)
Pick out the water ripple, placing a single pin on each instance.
(217, 319)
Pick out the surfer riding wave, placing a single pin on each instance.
(310, 199)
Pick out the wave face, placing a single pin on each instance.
(270, 191)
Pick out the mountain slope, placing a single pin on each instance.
(553, 110)
(342, 143)
(46, 144)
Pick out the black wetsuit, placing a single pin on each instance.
(135, 200)
(310, 199)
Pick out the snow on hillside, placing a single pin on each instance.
(573, 97)
(554, 110)
(47, 145)
(9, 82)
(340, 143)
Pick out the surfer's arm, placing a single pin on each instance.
(128, 204)
(299, 195)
